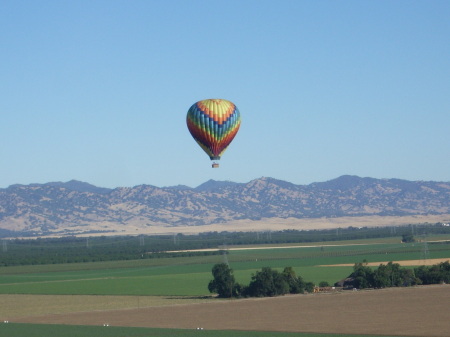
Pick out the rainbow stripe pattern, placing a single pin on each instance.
(213, 123)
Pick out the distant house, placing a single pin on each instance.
(346, 283)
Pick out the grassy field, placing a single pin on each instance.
(39, 330)
(189, 276)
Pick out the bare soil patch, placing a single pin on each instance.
(419, 311)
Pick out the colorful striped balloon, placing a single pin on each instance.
(213, 123)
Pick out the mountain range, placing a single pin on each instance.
(75, 207)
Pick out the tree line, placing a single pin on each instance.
(267, 282)
(393, 275)
(72, 249)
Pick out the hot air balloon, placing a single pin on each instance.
(213, 123)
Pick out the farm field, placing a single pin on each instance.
(142, 293)
(39, 330)
(189, 276)
(418, 311)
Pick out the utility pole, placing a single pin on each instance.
(225, 254)
(425, 252)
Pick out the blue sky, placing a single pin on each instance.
(98, 90)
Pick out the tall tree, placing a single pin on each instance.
(223, 283)
(296, 283)
(362, 275)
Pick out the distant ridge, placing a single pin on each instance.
(76, 207)
(73, 185)
(80, 186)
(214, 185)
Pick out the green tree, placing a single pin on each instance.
(408, 238)
(389, 275)
(296, 283)
(309, 287)
(386, 275)
(223, 283)
(382, 278)
(437, 273)
(362, 275)
(267, 282)
(409, 277)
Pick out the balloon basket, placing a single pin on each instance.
(215, 165)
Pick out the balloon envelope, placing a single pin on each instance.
(213, 123)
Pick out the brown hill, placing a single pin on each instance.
(77, 208)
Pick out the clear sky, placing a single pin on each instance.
(98, 90)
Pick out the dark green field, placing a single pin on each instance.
(40, 330)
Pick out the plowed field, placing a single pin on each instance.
(418, 311)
